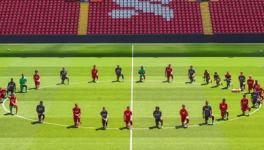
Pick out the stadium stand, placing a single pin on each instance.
(38, 17)
(142, 17)
(237, 16)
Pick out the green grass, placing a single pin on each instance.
(16, 133)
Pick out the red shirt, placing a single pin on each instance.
(76, 112)
(223, 106)
(183, 112)
(36, 77)
(2, 93)
(244, 102)
(168, 70)
(257, 87)
(250, 82)
(13, 100)
(94, 71)
(128, 114)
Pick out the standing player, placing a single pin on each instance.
(94, 74)
(2, 94)
(244, 105)
(223, 106)
(184, 117)
(191, 74)
(13, 103)
(40, 109)
(169, 73)
(250, 84)
(142, 74)
(228, 79)
(217, 79)
(23, 83)
(76, 115)
(104, 115)
(206, 77)
(207, 113)
(256, 85)
(242, 80)
(128, 118)
(157, 114)
(64, 76)
(255, 99)
(118, 72)
(11, 86)
(36, 78)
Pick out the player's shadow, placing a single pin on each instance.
(8, 114)
(115, 81)
(205, 124)
(179, 127)
(242, 115)
(71, 127)
(123, 128)
(35, 122)
(203, 84)
(215, 86)
(153, 127)
(100, 129)
(139, 81)
(220, 119)
(91, 82)
(188, 82)
(31, 88)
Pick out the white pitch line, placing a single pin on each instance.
(132, 95)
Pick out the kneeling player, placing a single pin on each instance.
(104, 115)
(94, 74)
(23, 83)
(255, 99)
(13, 103)
(169, 73)
(191, 74)
(207, 113)
(11, 86)
(36, 78)
(2, 94)
(76, 116)
(217, 79)
(64, 76)
(184, 117)
(40, 109)
(128, 118)
(157, 114)
(228, 79)
(244, 105)
(250, 84)
(142, 74)
(206, 77)
(224, 109)
(118, 72)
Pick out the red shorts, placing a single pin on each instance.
(12, 105)
(76, 119)
(128, 120)
(169, 75)
(37, 82)
(250, 87)
(183, 118)
(245, 108)
(223, 112)
(94, 76)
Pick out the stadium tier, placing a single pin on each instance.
(237, 16)
(130, 17)
(38, 17)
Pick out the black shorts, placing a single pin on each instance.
(206, 117)
(104, 121)
(158, 120)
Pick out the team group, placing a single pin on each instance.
(254, 88)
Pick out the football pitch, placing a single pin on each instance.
(21, 133)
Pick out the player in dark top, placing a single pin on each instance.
(207, 77)
(255, 99)
(64, 76)
(118, 72)
(104, 115)
(217, 79)
(208, 113)
(228, 79)
(11, 86)
(157, 114)
(242, 80)
(191, 74)
(40, 109)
